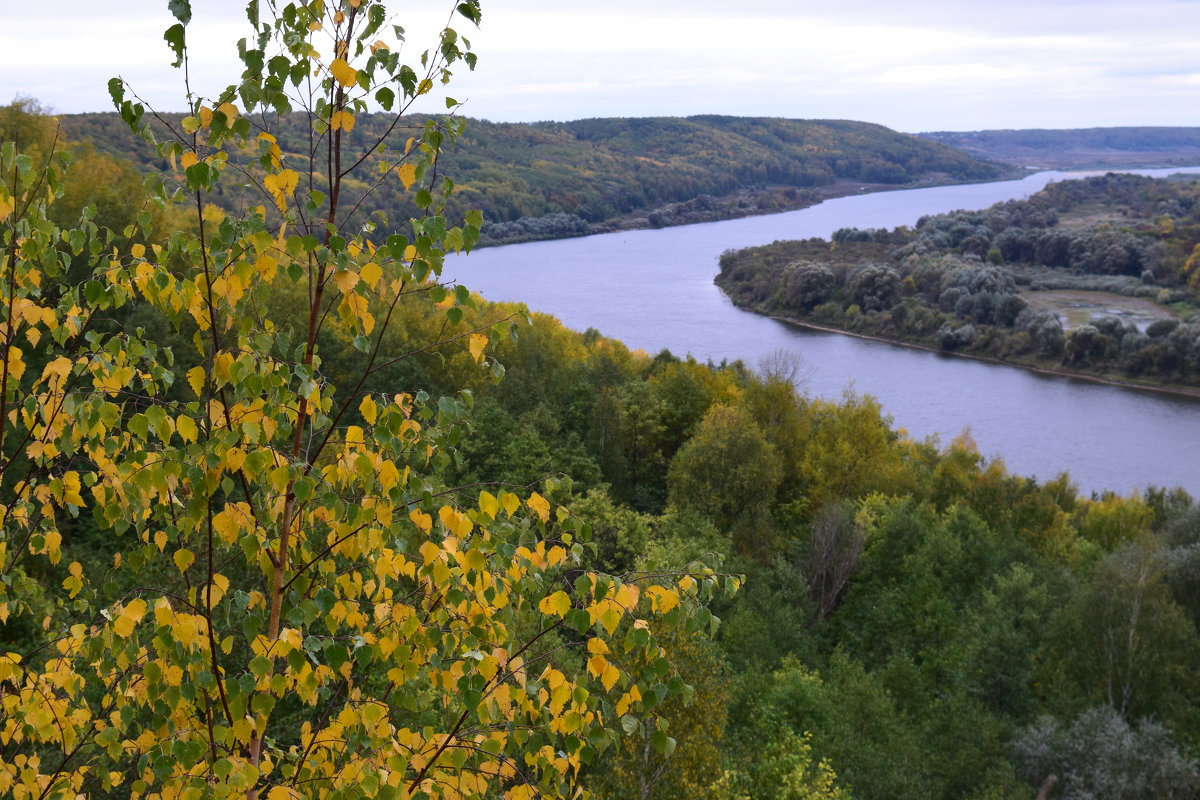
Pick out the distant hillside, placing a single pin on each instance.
(549, 179)
(1085, 147)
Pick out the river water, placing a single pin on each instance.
(653, 289)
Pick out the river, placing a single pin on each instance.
(653, 289)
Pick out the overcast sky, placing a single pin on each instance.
(915, 65)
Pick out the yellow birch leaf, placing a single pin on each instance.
(429, 551)
(229, 110)
(370, 273)
(368, 409)
(183, 559)
(596, 665)
(205, 116)
(186, 428)
(627, 596)
(475, 344)
(540, 506)
(407, 173)
(610, 618)
(195, 377)
(510, 502)
(129, 617)
(488, 504)
(189, 159)
(609, 676)
(345, 74)
(598, 646)
(557, 604)
(388, 475)
(421, 520)
(458, 524)
(662, 599)
(345, 280)
(281, 186)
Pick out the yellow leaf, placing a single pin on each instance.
(129, 617)
(557, 604)
(345, 280)
(229, 110)
(341, 120)
(189, 159)
(407, 174)
(160, 540)
(281, 186)
(186, 428)
(627, 596)
(458, 524)
(540, 506)
(611, 618)
(370, 273)
(488, 504)
(421, 520)
(596, 665)
(388, 475)
(424, 86)
(368, 409)
(510, 502)
(609, 676)
(345, 74)
(598, 646)
(662, 599)
(183, 559)
(195, 378)
(429, 551)
(205, 116)
(475, 344)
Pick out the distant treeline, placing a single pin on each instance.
(953, 282)
(1112, 146)
(566, 179)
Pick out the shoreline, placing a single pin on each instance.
(1179, 391)
(727, 208)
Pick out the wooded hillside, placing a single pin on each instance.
(549, 179)
(1080, 148)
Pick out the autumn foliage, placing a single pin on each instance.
(229, 569)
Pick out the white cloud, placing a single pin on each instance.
(1022, 63)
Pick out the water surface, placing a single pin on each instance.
(653, 289)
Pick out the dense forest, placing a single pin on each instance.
(915, 621)
(552, 180)
(285, 515)
(1079, 149)
(973, 281)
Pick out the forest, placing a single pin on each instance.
(284, 515)
(1084, 148)
(970, 282)
(551, 180)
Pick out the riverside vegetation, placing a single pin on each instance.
(277, 522)
(973, 281)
